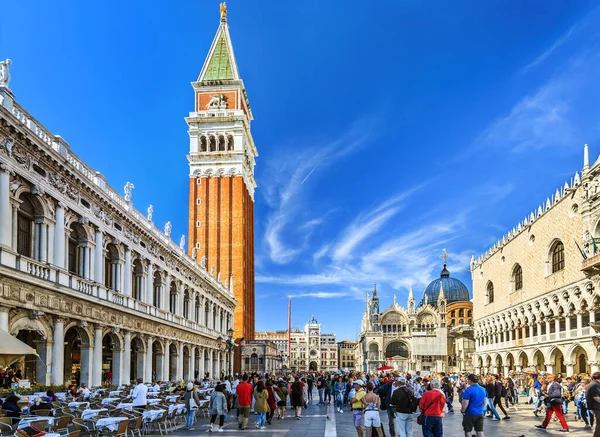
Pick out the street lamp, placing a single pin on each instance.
(228, 345)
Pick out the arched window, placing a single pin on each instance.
(469, 313)
(157, 281)
(203, 147)
(230, 143)
(111, 268)
(489, 292)
(25, 216)
(197, 310)
(213, 144)
(186, 304)
(214, 325)
(518, 277)
(206, 311)
(396, 348)
(558, 257)
(137, 280)
(221, 143)
(173, 298)
(461, 312)
(77, 251)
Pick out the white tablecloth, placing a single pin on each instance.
(125, 406)
(178, 407)
(88, 414)
(115, 393)
(204, 402)
(152, 414)
(154, 401)
(112, 423)
(74, 405)
(27, 421)
(107, 401)
(172, 398)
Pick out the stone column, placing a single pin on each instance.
(506, 370)
(568, 328)
(59, 236)
(570, 368)
(530, 331)
(149, 360)
(42, 238)
(556, 327)
(98, 258)
(117, 362)
(201, 364)
(42, 347)
(166, 361)
(6, 224)
(549, 367)
(180, 362)
(594, 365)
(126, 379)
(127, 273)
(548, 330)
(4, 318)
(97, 364)
(58, 352)
(15, 210)
(149, 285)
(579, 324)
(86, 364)
(193, 367)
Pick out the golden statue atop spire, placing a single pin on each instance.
(223, 8)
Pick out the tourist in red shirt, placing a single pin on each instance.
(244, 396)
(432, 408)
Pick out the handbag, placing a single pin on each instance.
(275, 395)
(193, 404)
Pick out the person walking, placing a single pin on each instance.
(139, 395)
(448, 390)
(372, 403)
(490, 388)
(386, 392)
(432, 408)
(473, 406)
(321, 389)
(339, 389)
(296, 400)
(190, 393)
(261, 407)
(401, 403)
(244, 399)
(554, 401)
(499, 391)
(283, 395)
(358, 406)
(218, 407)
(272, 399)
(592, 395)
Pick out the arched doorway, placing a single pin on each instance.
(207, 354)
(32, 367)
(215, 359)
(313, 366)
(137, 359)
(523, 360)
(581, 361)
(558, 361)
(538, 361)
(196, 363)
(186, 363)
(172, 363)
(111, 359)
(396, 348)
(498, 365)
(510, 362)
(157, 361)
(77, 356)
(373, 352)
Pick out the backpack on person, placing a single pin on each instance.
(413, 402)
(503, 391)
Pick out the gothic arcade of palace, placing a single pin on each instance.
(93, 284)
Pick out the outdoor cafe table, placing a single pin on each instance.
(111, 423)
(114, 393)
(154, 401)
(74, 405)
(172, 398)
(150, 415)
(178, 407)
(107, 401)
(26, 421)
(88, 414)
(125, 406)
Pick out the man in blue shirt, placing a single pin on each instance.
(473, 406)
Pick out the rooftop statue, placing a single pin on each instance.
(5, 73)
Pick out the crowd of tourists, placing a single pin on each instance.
(380, 403)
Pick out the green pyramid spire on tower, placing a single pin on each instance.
(220, 63)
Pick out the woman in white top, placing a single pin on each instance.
(372, 403)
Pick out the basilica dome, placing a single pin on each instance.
(454, 290)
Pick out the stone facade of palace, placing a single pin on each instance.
(536, 298)
(90, 282)
(309, 349)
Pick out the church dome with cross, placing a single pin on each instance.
(454, 289)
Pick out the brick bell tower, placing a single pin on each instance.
(222, 159)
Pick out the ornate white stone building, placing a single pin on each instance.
(536, 300)
(90, 282)
(413, 338)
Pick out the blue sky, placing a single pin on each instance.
(386, 131)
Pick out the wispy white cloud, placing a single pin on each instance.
(555, 45)
(321, 294)
(286, 188)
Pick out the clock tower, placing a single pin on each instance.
(222, 159)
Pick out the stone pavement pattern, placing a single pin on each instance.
(315, 424)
